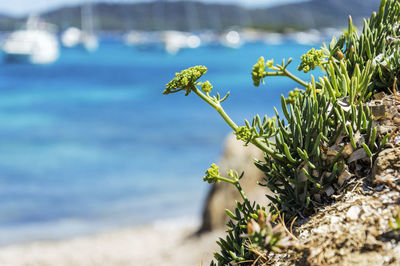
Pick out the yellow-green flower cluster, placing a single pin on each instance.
(185, 80)
(293, 96)
(212, 174)
(243, 133)
(258, 72)
(311, 60)
(206, 87)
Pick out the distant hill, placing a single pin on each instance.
(315, 14)
(188, 15)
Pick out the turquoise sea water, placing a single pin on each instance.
(90, 143)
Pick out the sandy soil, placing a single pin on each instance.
(151, 245)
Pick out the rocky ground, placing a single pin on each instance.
(355, 228)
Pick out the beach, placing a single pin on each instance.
(157, 244)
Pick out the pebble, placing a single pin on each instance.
(353, 213)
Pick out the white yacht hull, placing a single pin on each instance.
(31, 46)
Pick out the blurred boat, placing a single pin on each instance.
(35, 44)
(310, 37)
(174, 41)
(86, 37)
(71, 37)
(143, 40)
(231, 39)
(273, 38)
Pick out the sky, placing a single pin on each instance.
(23, 7)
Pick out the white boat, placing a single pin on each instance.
(36, 44)
(310, 37)
(231, 39)
(86, 37)
(71, 37)
(143, 40)
(174, 41)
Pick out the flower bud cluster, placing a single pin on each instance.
(212, 174)
(293, 96)
(206, 87)
(311, 60)
(243, 133)
(186, 80)
(258, 72)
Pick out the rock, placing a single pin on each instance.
(329, 191)
(378, 111)
(344, 177)
(379, 95)
(222, 196)
(353, 213)
(386, 169)
(348, 150)
(396, 140)
(357, 155)
(388, 158)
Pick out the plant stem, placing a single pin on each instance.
(244, 197)
(228, 180)
(293, 77)
(229, 121)
(217, 106)
(286, 73)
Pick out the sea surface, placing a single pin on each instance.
(89, 143)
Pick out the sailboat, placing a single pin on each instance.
(174, 41)
(89, 39)
(86, 37)
(36, 43)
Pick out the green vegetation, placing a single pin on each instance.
(308, 148)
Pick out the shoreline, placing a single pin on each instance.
(65, 229)
(160, 243)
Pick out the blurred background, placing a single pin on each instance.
(88, 143)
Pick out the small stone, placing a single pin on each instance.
(329, 191)
(392, 112)
(317, 197)
(357, 155)
(387, 159)
(397, 140)
(379, 95)
(327, 174)
(384, 129)
(344, 177)
(315, 173)
(378, 111)
(348, 150)
(353, 213)
(335, 220)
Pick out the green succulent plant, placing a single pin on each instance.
(306, 148)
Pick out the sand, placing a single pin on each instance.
(159, 244)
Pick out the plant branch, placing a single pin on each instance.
(217, 106)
